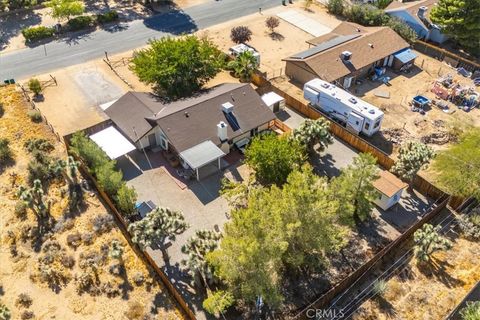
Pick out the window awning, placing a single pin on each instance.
(271, 98)
(201, 154)
(112, 142)
(405, 55)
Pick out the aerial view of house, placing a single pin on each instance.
(201, 159)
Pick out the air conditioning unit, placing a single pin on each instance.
(346, 55)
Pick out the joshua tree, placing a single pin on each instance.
(69, 170)
(240, 34)
(116, 250)
(427, 241)
(158, 226)
(5, 313)
(34, 198)
(197, 247)
(313, 132)
(244, 65)
(413, 157)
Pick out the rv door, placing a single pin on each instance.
(354, 122)
(347, 82)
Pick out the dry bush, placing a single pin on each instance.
(135, 311)
(20, 210)
(26, 315)
(23, 300)
(138, 278)
(68, 261)
(50, 268)
(63, 224)
(110, 289)
(74, 240)
(86, 283)
(87, 238)
(102, 224)
(395, 290)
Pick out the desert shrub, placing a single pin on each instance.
(68, 261)
(336, 6)
(240, 34)
(115, 269)
(102, 223)
(2, 110)
(6, 153)
(38, 171)
(24, 300)
(470, 226)
(272, 23)
(27, 314)
(37, 33)
(5, 313)
(74, 240)
(380, 288)
(138, 278)
(135, 310)
(87, 238)
(85, 283)
(366, 15)
(35, 116)
(91, 260)
(106, 17)
(63, 224)
(38, 144)
(110, 289)
(471, 311)
(49, 266)
(28, 233)
(35, 86)
(80, 22)
(20, 209)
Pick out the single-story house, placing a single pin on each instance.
(349, 52)
(199, 130)
(416, 15)
(390, 189)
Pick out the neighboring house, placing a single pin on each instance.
(200, 129)
(349, 52)
(390, 189)
(416, 15)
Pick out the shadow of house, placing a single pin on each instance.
(175, 22)
(13, 24)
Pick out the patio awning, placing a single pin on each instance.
(112, 142)
(271, 98)
(201, 154)
(405, 55)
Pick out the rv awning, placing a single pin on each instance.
(201, 154)
(405, 55)
(112, 142)
(271, 98)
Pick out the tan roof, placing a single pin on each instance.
(366, 49)
(343, 29)
(388, 184)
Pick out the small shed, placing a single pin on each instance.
(403, 59)
(274, 101)
(390, 189)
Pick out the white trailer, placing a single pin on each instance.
(356, 114)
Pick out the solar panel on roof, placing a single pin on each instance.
(325, 46)
(232, 121)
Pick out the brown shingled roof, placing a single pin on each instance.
(377, 43)
(388, 184)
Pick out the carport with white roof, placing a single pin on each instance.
(112, 142)
(201, 155)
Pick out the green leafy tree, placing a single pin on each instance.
(158, 226)
(64, 9)
(178, 66)
(244, 65)
(402, 28)
(336, 7)
(412, 157)
(236, 193)
(382, 4)
(109, 179)
(35, 86)
(196, 248)
(313, 132)
(354, 189)
(218, 301)
(273, 158)
(471, 311)
(458, 167)
(5, 313)
(126, 199)
(460, 20)
(366, 15)
(427, 241)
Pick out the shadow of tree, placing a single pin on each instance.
(386, 307)
(276, 36)
(13, 24)
(438, 269)
(176, 22)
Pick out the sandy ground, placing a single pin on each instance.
(429, 297)
(18, 274)
(273, 48)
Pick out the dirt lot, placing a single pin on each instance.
(22, 238)
(422, 296)
(400, 123)
(273, 48)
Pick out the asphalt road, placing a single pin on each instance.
(79, 48)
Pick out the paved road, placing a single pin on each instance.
(80, 48)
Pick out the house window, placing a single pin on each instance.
(395, 197)
(367, 125)
(253, 132)
(376, 124)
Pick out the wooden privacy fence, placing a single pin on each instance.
(142, 254)
(324, 300)
(442, 54)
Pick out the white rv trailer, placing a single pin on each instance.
(356, 114)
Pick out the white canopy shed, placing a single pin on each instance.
(274, 101)
(201, 155)
(112, 142)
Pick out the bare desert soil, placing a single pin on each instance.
(427, 295)
(23, 243)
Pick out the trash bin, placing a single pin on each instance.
(12, 81)
(6, 81)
